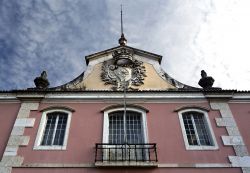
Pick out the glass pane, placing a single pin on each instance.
(189, 127)
(49, 130)
(55, 129)
(134, 128)
(61, 128)
(116, 130)
(202, 131)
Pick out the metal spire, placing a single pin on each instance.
(122, 40)
(121, 21)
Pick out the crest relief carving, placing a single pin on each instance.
(122, 71)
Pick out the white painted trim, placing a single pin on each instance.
(160, 165)
(142, 95)
(210, 130)
(41, 129)
(106, 122)
(241, 96)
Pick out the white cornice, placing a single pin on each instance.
(128, 96)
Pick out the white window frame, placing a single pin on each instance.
(37, 145)
(105, 135)
(209, 129)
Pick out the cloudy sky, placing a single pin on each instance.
(191, 35)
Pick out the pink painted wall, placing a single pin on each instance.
(163, 129)
(241, 112)
(125, 170)
(8, 114)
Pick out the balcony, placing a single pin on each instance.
(138, 155)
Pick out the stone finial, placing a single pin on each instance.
(122, 41)
(206, 81)
(42, 82)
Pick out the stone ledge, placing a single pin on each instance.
(126, 164)
(160, 165)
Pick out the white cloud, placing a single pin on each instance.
(193, 35)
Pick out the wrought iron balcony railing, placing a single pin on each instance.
(125, 152)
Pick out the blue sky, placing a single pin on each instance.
(56, 35)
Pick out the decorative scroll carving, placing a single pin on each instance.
(123, 71)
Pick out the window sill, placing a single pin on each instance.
(202, 147)
(49, 148)
(126, 164)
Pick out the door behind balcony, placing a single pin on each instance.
(126, 146)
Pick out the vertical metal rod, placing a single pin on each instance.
(121, 21)
(124, 117)
(125, 111)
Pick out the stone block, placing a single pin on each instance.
(5, 169)
(24, 122)
(232, 140)
(233, 131)
(25, 109)
(19, 131)
(18, 140)
(223, 107)
(29, 106)
(225, 122)
(11, 161)
(245, 170)
(10, 151)
(240, 161)
(240, 150)
(23, 113)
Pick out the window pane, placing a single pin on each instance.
(196, 129)
(189, 127)
(49, 130)
(55, 129)
(116, 130)
(134, 132)
(60, 130)
(201, 129)
(134, 128)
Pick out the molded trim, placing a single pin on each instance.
(121, 106)
(192, 107)
(66, 108)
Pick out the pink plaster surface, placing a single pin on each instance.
(8, 114)
(126, 170)
(241, 112)
(163, 129)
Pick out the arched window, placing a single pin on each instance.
(53, 130)
(196, 129)
(125, 136)
(130, 129)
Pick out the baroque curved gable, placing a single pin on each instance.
(123, 67)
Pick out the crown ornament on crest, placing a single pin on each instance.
(123, 70)
(123, 57)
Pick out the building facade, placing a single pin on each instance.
(124, 114)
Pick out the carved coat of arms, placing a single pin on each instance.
(123, 72)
